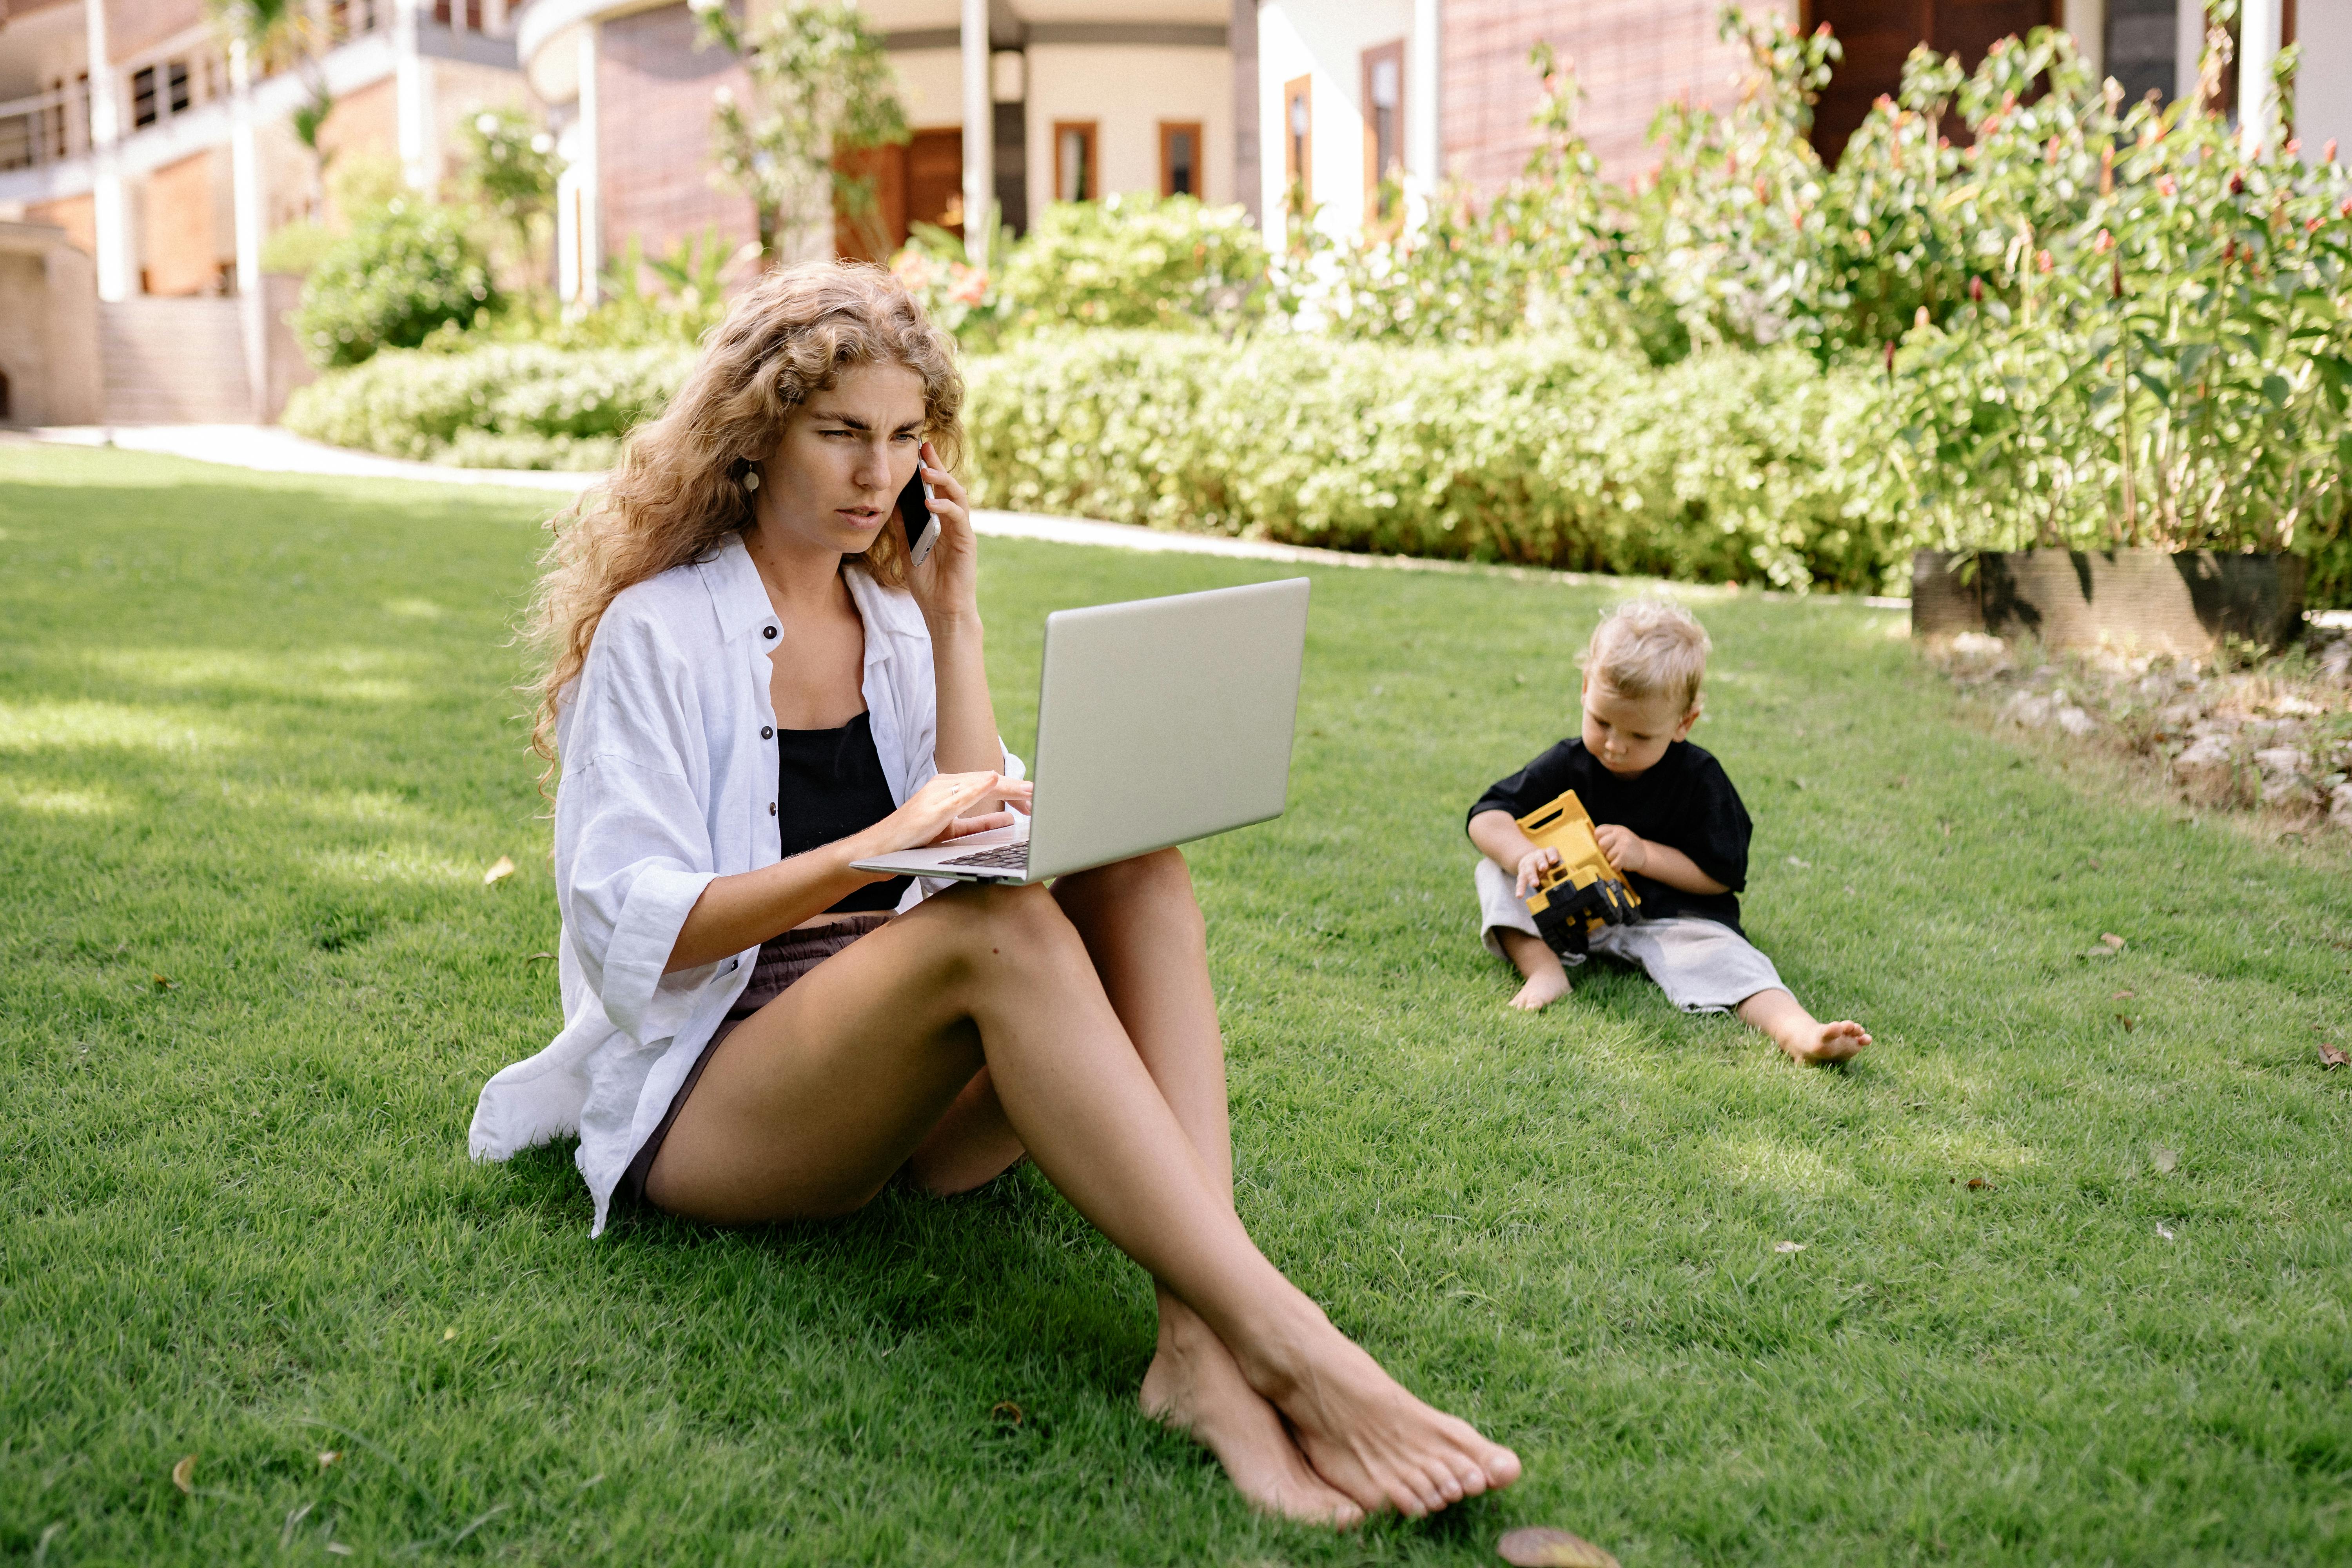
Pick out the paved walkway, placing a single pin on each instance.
(273, 450)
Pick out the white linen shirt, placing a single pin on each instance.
(667, 742)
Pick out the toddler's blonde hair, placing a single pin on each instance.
(1649, 647)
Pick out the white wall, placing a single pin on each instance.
(2323, 84)
(931, 86)
(1324, 40)
(1128, 89)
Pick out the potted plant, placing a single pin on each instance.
(2133, 429)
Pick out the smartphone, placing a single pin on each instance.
(916, 521)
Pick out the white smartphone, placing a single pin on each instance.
(916, 521)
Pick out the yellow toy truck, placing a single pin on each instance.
(1584, 892)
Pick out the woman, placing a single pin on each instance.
(749, 689)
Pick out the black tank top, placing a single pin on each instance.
(829, 785)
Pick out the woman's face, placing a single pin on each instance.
(834, 479)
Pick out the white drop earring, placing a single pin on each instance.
(752, 479)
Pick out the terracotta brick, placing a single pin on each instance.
(77, 215)
(653, 101)
(181, 249)
(1629, 57)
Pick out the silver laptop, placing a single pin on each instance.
(1159, 721)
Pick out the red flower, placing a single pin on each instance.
(2164, 187)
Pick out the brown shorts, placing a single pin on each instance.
(782, 959)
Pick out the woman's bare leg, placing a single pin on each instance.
(808, 1108)
(1142, 927)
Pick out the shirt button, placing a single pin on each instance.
(767, 631)
(771, 808)
(767, 732)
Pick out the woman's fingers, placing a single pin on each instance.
(964, 827)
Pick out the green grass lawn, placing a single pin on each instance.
(259, 740)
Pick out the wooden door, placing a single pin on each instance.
(1879, 34)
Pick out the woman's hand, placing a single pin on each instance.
(943, 810)
(946, 585)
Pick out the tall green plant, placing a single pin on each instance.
(820, 86)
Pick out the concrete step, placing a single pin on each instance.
(174, 360)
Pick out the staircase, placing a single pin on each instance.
(173, 362)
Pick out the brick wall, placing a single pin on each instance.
(183, 249)
(1629, 57)
(77, 215)
(654, 91)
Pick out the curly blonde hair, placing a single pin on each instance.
(678, 489)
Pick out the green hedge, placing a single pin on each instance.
(514, 405)
(1727, 467)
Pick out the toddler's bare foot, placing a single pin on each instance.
(1805, 1037)
(1194, 1385)
(1825, 1042)
(1540, 992)
(1371, 1439)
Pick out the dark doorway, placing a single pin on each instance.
(1878, 36)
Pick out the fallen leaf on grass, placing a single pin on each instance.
(2119, 996)
(1978, 1182)
(2331, 1056)
(2166, 1161)
(2112, 940)
(183, 1475)
(164, 983)
(535, 957)
(339, 1549)
(1004, 1410)
(1540, 1547)
(449, 1334)
(328, 1457)
(2165, 1231)
(2093, 862)
(2127, 1023)
(1800, 865)
(1789, 1246)
(500, 872)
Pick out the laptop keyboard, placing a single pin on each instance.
(998, 857)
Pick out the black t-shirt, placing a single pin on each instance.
(830, 784)
(1685, 803)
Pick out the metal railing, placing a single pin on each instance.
(190, 70)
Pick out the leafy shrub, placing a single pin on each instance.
(505, 406)
(402, 271)
(1135, 261)
(1757, 468)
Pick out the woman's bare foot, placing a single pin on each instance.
(1368, 1438)
(1194, 1385)
(1805, 1037)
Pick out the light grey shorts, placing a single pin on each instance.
(1703, 967)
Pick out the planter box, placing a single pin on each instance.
(2153, 600)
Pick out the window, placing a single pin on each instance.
(175, 75)
(143, 112)
(1180, 157)
(1075, 179)
(1299, 137)
(1383, 123)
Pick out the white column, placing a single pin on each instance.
(244, 193)
(2188, 46)
(413, 98)
(2258, 48)
(2087, 21)
(588, 193)
(979, 132)
(1420, 125)
(111, 214)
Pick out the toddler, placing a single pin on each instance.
(1668, 818)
